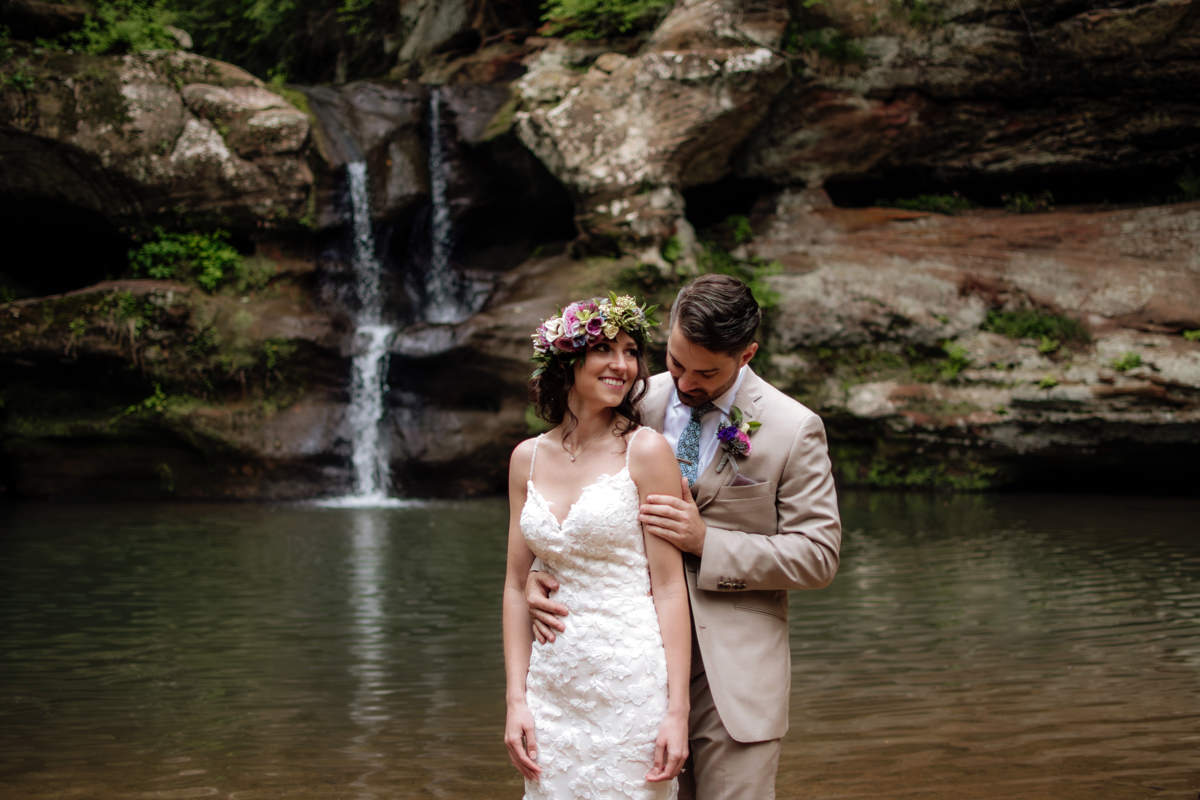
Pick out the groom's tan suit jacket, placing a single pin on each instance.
(772, 525)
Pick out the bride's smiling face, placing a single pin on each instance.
(608, 372)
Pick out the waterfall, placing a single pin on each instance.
(371, 340)
(442, 294)
(443, 286)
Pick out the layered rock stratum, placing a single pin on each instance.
(1063, 140)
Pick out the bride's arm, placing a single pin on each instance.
(655, 471)
(519, 735)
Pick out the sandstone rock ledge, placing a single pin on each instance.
(139, 388)
(137, 137)
(884, 329)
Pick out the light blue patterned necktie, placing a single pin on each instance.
(687, 450)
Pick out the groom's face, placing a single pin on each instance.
(701, 374)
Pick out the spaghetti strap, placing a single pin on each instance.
(629, 445)
(533, 457)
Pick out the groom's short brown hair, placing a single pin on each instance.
(717, 312)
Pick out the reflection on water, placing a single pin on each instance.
(971, 647)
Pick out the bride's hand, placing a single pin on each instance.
(520, 740)
(671, 747)
(544, 613)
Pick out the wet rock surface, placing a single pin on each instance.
(985, 349)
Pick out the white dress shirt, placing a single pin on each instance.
(679, 415)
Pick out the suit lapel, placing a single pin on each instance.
(654, 404)
(749, 400)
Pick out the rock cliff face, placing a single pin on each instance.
(129, 138)
(116, 388)
(990, 348)
(1087, 104)
(1043, 334)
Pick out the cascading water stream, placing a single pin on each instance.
(442, 295)
(371, 341)
(443, 286)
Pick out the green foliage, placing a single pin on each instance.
(927, 367)
(126, 26)
(1048, 382)
(1050, 329)
(739, 224)
(890, 465)
(276, 351)
(1193, 335)
(20, 80)
(1189, 185)
(206, 258)
(919, 13)
(957, 359)
(1126, 362)
(355, 15)
(294, 96)
(308, 41)
(601, 19)
(533, 423)
(936, 203)
(6, 48)
(126, 313)
(644, 280)
(77, 327)
(153, 405)
(671, 250)
(754, 272)
(1046, 345)
(1021, 203)
(829, 43)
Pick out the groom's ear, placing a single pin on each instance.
(747, 354)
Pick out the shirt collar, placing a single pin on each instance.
(723, 401)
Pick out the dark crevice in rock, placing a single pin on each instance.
(713, 203)
(1137, 465)
(1042, 186)
(46, 385)
(52, 247)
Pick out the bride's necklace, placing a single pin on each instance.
(578, 451)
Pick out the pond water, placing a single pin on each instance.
(971, 647)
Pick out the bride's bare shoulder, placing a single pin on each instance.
(650, 450)
(522, 454)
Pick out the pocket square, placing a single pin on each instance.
(741, 479)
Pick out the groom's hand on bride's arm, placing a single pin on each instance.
(544, 613)
(675, 519)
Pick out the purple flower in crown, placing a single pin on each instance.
(576, 315)
(586, 322)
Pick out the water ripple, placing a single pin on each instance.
(971, 647)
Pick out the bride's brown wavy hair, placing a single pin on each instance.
(548, 391)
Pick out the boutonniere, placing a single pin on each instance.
(734, 436)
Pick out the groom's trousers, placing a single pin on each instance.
(720, 768)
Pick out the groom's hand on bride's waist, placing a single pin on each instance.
(545, 614)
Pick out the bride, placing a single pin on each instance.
(603, 712)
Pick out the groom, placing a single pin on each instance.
(751, 526)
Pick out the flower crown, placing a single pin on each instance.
(586, 322)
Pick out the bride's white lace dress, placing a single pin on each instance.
(599, 691)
